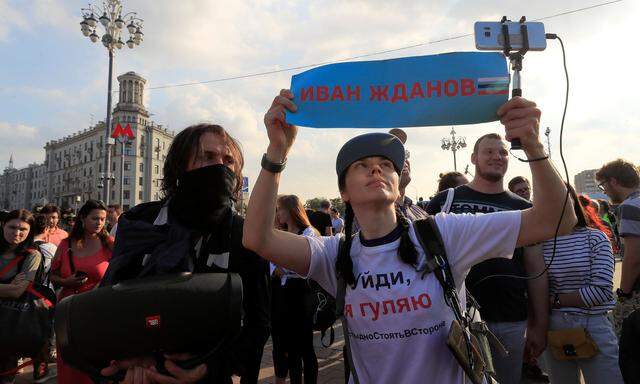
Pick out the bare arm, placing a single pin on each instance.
(521, 119)
(282, 248)
(538, 289)
(630, 262)
(569, 299)
(72, 281)
(16, 288)
(538, 292)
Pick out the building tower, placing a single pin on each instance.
(137, 161)
(131, 100)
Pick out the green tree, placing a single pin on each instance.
(314, 203)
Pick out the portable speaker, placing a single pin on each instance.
(149, 316)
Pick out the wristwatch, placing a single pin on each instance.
(622, 294)
(271, 166)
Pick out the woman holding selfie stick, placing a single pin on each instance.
(396, 316)
(79, 264)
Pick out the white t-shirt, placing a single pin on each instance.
(337, 224)
(114, 230)
(398, 322)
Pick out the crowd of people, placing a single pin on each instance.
(532, 260)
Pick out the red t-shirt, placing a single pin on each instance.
(56, 236)
(93, 265)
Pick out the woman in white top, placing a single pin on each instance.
(292, 326)
(397, 318)
(581, 296)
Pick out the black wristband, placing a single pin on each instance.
(527, 160)
(533, 160)
(272, 167)
(622, 294)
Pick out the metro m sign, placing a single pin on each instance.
(121, 132)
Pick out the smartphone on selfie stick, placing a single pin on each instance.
(513, 39)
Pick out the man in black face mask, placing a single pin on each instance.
(202, 176)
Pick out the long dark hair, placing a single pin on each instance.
(182, 150)
(344, 264)
(293, 205)
(77, 233)
(27, 244)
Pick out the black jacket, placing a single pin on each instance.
(170, 248)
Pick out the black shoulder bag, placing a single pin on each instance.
(26, 321)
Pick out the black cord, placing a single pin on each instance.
(528, 160)
(566, 171)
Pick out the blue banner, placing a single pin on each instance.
(447, 89)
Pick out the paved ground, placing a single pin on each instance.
(330, 363)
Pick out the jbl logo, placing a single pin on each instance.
(153, 321)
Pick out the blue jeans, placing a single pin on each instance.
(602, 368)
(512, 335)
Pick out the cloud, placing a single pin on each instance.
(202, 40)
(50, 95)
(16, 131)
(10, 19)
(21, 141)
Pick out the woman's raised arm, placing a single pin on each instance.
(282, 248)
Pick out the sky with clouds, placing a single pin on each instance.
(53, 79)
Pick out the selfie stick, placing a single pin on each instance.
(516, 61)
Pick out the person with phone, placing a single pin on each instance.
(397, 318)
(79, 265)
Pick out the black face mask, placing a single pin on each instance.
(204, 195)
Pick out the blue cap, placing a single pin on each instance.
(368, 145)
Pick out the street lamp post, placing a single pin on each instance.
(113, 22)
(547, 133)
(453, 145)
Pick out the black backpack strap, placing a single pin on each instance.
(429, 237)
(341, 292)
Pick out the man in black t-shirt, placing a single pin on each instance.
(321, 220)
(503, 301)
